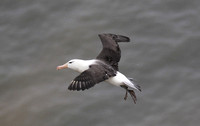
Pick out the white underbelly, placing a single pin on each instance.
(117, 80)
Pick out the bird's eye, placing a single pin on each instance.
(70, 62)
(114, 37)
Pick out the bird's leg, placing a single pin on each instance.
(126, 95)
(126, 88)
(132, 93)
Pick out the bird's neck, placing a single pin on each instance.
(84, 65)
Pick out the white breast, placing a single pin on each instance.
(84, 65)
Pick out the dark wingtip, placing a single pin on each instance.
(70, 88)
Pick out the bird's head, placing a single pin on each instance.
(74, 64)
(116, 38)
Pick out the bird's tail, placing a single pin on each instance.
(133, 85)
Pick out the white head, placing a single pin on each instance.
(75, 64)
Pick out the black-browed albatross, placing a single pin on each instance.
(103, 68)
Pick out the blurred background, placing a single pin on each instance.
(163, 57)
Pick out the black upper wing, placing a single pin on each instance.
(111, 53)
(92, 76)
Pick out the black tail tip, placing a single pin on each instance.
(139, 88)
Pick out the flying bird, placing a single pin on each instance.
(103, 68)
